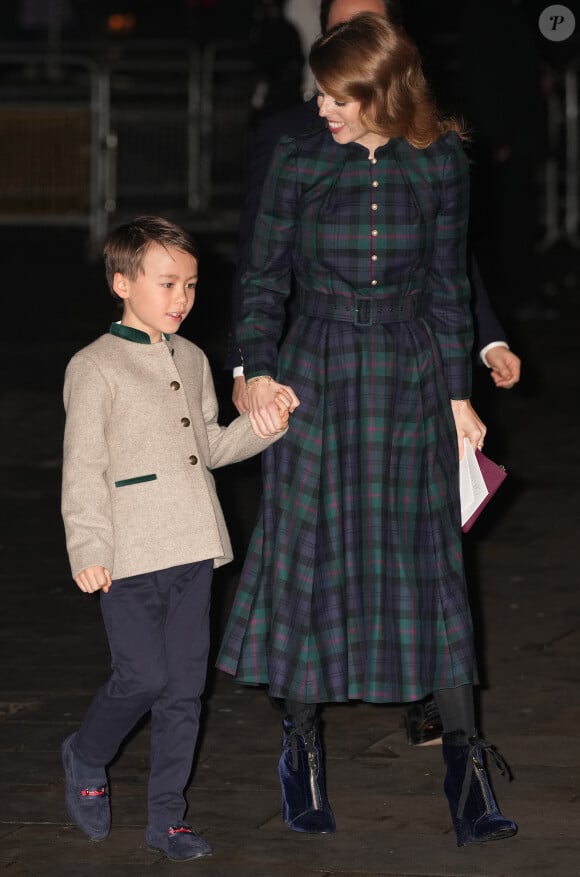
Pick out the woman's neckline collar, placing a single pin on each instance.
(355, 147)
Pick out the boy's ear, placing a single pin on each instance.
(120, 285)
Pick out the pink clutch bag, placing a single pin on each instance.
(494, 476)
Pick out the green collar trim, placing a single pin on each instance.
(131, 334)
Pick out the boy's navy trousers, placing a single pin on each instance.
(158, 630)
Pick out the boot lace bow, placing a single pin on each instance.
(475, 761)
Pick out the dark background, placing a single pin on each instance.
(521, 555)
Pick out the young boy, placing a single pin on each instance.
(144, 525)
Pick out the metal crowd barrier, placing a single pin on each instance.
(92, 139)
(49, 138)
(561, 182)
(93, 136)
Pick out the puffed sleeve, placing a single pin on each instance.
(448, 286)
(266, 283)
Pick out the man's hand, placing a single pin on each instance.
(505, 367)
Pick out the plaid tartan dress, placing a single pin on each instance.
(353, 585)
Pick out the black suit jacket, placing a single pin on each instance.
(296, 121)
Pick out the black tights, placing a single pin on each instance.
(302, 715)
(456, 708)
(455, 705)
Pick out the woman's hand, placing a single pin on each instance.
(468, 425)
(270, 405)
(239, 395)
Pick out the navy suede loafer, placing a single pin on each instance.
(178, 842)
(87, 794)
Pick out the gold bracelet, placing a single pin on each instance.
(259, 378)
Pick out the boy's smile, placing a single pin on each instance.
(162, 295)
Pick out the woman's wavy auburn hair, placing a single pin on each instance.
(369, 60)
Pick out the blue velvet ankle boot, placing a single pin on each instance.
(474, 811)
(305, 806)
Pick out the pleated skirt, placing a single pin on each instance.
(353, 584)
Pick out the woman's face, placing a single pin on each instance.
(343, 120)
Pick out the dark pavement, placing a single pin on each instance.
(392, 816)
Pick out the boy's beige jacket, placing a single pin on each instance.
(140, 440)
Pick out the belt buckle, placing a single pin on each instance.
(363, 312)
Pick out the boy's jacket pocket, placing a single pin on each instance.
(138, 480)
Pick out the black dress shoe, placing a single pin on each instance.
(423, 723)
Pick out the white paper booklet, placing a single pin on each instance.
(472, 487)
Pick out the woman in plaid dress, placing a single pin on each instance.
(353, 586)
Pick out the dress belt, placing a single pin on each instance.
(362, 310)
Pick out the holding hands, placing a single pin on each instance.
(269, 405)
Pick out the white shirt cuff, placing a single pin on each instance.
(238, 371)
(487, 347)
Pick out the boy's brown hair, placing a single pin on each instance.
(126, 247)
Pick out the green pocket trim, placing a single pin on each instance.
(139, 480)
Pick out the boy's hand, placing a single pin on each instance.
(283, 404)
(94, 578)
